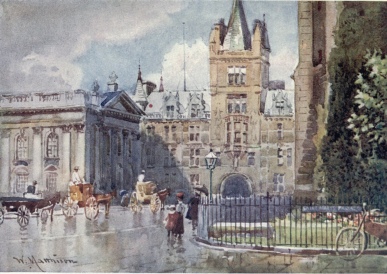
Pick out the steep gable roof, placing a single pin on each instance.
(238, 36)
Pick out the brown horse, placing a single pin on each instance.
(48, 203)
(163, 196)
(106, 199)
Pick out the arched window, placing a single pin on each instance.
(21, 147)
(52, 145)
(51, 178)
(21, 180)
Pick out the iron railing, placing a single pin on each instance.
(265, 221)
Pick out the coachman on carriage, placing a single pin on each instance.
(145, 193)
(82, 195)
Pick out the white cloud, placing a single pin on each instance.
(197, 71)
(47, 73)
(56, 34)
(283, 65)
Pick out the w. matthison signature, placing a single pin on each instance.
(43, 261)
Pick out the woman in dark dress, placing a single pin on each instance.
(180, 208)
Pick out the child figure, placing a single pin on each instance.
(171, 219)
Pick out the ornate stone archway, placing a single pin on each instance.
(236, 185)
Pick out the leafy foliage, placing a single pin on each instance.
(361, 27)
(368, 122)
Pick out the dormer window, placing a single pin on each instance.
(170, 111)
(195, 110)
(236, 75)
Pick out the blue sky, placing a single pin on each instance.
(64, 45)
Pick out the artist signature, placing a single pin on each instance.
(40, 262)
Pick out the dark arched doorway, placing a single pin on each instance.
(236, 186)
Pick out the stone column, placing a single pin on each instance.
(125, 157)
(97, 151)
(5, 180)
(114, 156)
(80, 149)
(66, 148)
(88, 145)
(37, 155)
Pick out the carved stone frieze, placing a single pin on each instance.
(5, 133)
(66, 128)
(80, 128)
(37, 130)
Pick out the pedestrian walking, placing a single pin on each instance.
(171, 220)
(180, 209)
(193, 210)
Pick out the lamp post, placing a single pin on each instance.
(211, 160)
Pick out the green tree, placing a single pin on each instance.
(369, 119)
(361, 26)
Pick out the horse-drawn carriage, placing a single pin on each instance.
(23, 207)
(145, 193)
(82, 195)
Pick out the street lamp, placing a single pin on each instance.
(211, 163)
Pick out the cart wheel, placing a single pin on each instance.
(155, 204)
(1, 216)
(69, 207)
(350, 243)
(23, 216)
(134, 204)
(44, 216)
(91, 208)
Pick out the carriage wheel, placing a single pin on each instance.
(1, 216)
(155, 204)
(134, 205)
(44, 216)
(69, 207)
(23, 216)
(91, 208)
(349, 244)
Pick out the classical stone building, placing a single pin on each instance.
(45, 135)
(175, 135)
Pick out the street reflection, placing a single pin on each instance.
(70, 226)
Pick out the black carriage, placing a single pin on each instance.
(24, 207)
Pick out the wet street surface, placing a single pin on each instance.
(128, 242)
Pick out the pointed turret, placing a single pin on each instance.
(140, 96)
(238, 35)
(161, 89)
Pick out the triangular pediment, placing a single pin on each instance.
(123, 103)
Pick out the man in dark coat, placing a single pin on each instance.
(32, 188)
(193, 209)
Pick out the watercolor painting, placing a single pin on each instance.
(238, 136)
